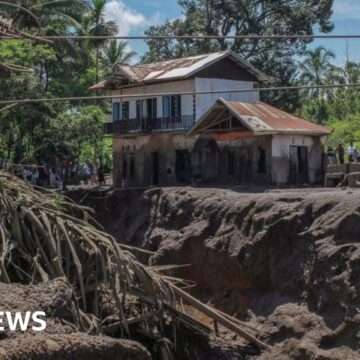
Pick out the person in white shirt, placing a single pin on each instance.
(352, 152)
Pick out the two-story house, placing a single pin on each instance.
(157, 141)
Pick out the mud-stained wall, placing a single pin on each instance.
(255, 172)
(258, 160)
(281, 157)
(208, 161)
(142, 147)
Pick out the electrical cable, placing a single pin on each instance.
(230, 91)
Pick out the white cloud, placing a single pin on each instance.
(346, 9)
(128, 19)
(125, 17)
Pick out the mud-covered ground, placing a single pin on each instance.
(60, 340)
(285, 261)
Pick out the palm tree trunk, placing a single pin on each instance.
(97, 63)
(97, 71)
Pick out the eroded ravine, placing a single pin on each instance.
(287, 262)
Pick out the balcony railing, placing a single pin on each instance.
(146, 125)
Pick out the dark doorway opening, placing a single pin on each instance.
(183, 166)
(261, 161)
(245, 165)
(151, 108)
(230, 162)
(132, 167)
(155, 168)
(298, 165)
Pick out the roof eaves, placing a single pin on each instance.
(292, 131)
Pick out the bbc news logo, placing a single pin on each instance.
(21, 321)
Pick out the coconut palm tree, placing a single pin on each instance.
(97, 25)
(116, 53)
(314, 68)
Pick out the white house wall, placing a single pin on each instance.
(281, 156)
(204, 102)
(164, 88)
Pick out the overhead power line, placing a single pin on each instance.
(230, 91)
(197, 37)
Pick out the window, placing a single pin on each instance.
(151, 107)
(230, 162)
(176, 105)
(166, 107)
(139, 109)
(116, 111)
(125, 110)
(172, 106)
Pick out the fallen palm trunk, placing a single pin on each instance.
(44, 236)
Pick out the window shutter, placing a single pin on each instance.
(125, 110)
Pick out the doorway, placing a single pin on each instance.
(155, 168)
(245, 165)
(151, 108)
(183, 166)
(298, 165)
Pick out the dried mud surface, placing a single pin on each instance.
(60, 340)
(286, 261)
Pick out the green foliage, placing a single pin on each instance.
(64, 69)
(246, 17)
(314, 69)
(116, 53)
(345, 131)
(316, 110)
(77, 132)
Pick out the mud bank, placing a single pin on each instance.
(287, 262)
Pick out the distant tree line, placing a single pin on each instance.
(64, 69)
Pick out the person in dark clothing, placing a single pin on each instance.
(101, 175)
(341, 152)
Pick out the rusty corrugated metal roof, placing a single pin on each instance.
(273, 118)
(173, 69)
(256, 117)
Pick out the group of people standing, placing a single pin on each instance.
(58, 173)
(338, 156)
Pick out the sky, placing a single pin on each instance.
(135, 16)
